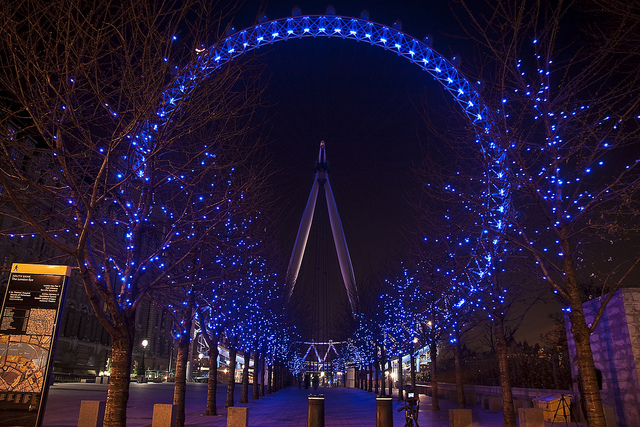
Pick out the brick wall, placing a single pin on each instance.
(616, 351)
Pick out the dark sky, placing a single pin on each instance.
(365, 103)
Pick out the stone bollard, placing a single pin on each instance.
(460, 418)
(471, 398)
(485, 402)
(164, 415)
(531, 417)
(495, 404)
(91, 413)
(610, 417)
(237, 416)
(384, 411)
(315, 416)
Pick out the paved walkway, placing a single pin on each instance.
(288, 407)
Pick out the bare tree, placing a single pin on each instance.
(447, 297)
(565, 120)
(120, 179)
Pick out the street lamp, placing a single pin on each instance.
(145, 343)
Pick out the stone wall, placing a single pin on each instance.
(615, 344)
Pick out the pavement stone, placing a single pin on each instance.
(285, 408)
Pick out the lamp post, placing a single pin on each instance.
(145, 343)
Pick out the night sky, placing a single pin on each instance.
(366, 104)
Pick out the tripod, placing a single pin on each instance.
(565, 408)
(411, 410)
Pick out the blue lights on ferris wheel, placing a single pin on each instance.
(420, 53)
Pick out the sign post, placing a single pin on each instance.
(29, 322)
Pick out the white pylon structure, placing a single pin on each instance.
(330, 346)
(346, 268)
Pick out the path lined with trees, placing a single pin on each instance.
(147, 177)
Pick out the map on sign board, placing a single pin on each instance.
(27, 331)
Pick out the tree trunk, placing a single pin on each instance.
(269, 377)
(212, 382)
(281, 374)
(413, 372)
(400, 380)
(433, 351)
(231, 384)
(509, 418)
(115, 414)
(356, 378)
(180, 384)
(263, 366)
(377, 369)
(460, 397)
(256, 375)
(244, 395)
(554, 369)
(383, 370)
(389, 377)
(274, 378)
(365, 378)
(586, 368)
(581, 337)
(370, 387)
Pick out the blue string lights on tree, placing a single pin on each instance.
(567, 123)
(362, 348)
(396, 306)
(568, 167)
(144, 141)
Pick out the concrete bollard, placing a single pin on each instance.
(485, 402)
(91, 413)
(164, 415)
(610, 417)
(315, 416)
(531, 417)
(495, 404)
(471, 398)
(460, 418)
(384, 411)
(237, 417)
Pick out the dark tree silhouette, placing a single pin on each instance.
(115, 179)
(565, 106)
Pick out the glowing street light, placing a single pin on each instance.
(144, 343)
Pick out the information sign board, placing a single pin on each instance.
(28, 324)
